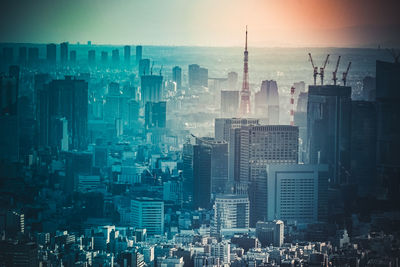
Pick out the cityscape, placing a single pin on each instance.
(143, 154)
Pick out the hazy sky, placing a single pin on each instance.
(202, 22)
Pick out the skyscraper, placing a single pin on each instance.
(267, 101)
(22, 55)
(115, 56)
(201, 175)
(229, 103)
(328, 129)
(64, 52)
(139, 49)
(92, 57)
(177, 77)
(51, 53)
(144, 67)
(104, 57)
(245, 108)
(388, 128)
(72, 56)
(127, 54)
(151, 88)
(197, 76)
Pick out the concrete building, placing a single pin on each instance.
(177, 77)
(230, 212)
(148, 213)
(270, 233)
(229, 103)
(296, 193)
(64, 52)
(151, 88)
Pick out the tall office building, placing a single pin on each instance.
(388, 128)
(232, 80)
(33, 55)
(187, 172)
(197, 76)
(258, 146)
(177, 77)
(229, 103)
(8, 55)
(267, 101)
(22, 55)
(72, 56)
(155, 115)
(92, 57)
(115, 56)
(66, 98)
(223, 126)
(151, 88)
(230, 212)
(201, 175)
(270, 233)
(51, 53)
(328, 129)
(296, 193)
(144, 67)
(363, 147)
(148, 213)
(127, 54)
(64, 52)
(139, 50)
(104, 57)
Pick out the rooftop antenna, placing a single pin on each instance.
(314, 68)
(322, 70)
(344, 79)
(335, 72)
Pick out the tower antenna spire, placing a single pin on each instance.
(245, 108)
(245, 48)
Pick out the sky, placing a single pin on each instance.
(287, 23)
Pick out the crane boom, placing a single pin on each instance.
(326, 61)
(345, 74)
(335, 72)
(322, 70)
(314, 68)
(312, 62)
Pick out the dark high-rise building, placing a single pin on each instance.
(33, 55)
(201, 175)
(328, 129)
(76, 163)
(151, 88)
(144, 67)
(67, 99)
(72, 56)
(139, 49)
(23, 55)
(363, 146)
(92, 56)
(270, 233)
(219, 167)
(64, 52)
(388, 128)
(187, 173)
(14, 253)
(9, 93)
(104, 57)
(197, 76)
(177, 77)
(127, 54)
(51, 53)
(133, 113)
(8, 55)
(155, 115)
(115, 56)
(229, 103)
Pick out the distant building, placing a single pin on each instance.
(64, 52)
(148, 213)
(155, 115)
(104, 57)
(33, 55)
(267, 101)
(270, 233)
(92, 57)
(115, 56)
(177, 77)
(139, 50)
(72, 56)
(232, 80)
(151, 88)
(229, 103)
(198, 76)
(144, 67)
(22, 55)
(230, 212)
(51, 53)
(127, 54)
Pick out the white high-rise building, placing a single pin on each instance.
(148, 213)
(230, 212)
(221, 250)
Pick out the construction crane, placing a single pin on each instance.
(161, 69)
(314, 68)
(335, 72)
(151, 70)
(322, 70)
(344, 79)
